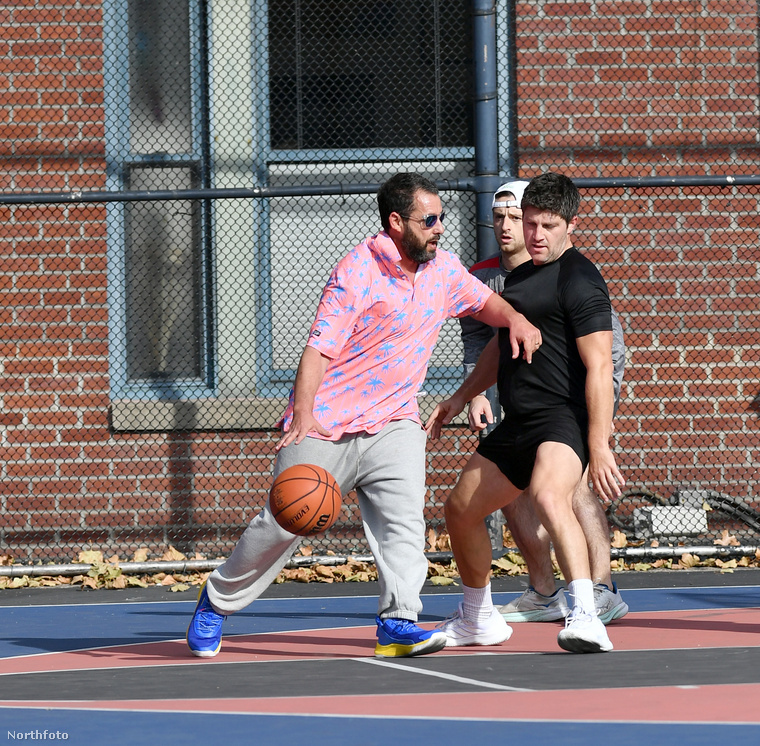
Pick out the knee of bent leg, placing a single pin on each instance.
(456, 506)
(551, 506)
(461, 507)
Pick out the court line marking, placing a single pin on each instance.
(437, 674)
(251, 612)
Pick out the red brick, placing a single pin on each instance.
(52, 419)
(649, 24)
(110, 519)
(11, 419)
(28, 504)
(571, 9)
(54, 520)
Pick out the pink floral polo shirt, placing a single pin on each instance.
(379, 329)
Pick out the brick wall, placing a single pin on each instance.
(606, 89)
(626, 86)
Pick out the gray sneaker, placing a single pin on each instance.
(609, 603)
(531, 606)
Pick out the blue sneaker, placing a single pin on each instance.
(400, 638)
(204, 635)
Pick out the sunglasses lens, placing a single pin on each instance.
(431, 220)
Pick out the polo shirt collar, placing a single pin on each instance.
(383, 245)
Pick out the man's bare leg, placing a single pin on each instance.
(590, 514)
(556, 473)
(533, 542)
(542, 601)
(481, 489)
(587, 506)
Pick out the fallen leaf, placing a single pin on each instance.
(118, 583)
(688, 560)
(619, 539)
(508, 566)
(134, 581)
(90, 557)
(172, 555)
(327, 574)
(507, 539)
(302, 575)
(439, 580)
(727, 539)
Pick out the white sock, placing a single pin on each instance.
(581, 594)
(477, 604)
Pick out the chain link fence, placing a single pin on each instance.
(180, 177)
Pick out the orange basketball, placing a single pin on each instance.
(305, 499)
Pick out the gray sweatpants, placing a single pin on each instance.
(387, 470)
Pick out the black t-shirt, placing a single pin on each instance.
(565, 299)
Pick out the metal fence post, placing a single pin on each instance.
(485, 123)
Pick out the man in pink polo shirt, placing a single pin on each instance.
(353, 410)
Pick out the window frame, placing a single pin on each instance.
(121, 161)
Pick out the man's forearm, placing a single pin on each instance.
(600, 405)
(311, 371)
(484, 374)
(497, 312)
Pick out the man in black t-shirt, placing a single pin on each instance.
(558, 415)
(541, 601)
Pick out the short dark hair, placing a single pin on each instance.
(555, 193)
(398, 193)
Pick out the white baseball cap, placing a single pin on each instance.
(515, 187)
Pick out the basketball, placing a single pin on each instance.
(305, 499)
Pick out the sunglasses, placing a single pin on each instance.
(428, 220)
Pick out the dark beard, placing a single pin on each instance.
(416, 251)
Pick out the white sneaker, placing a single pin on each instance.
(460, 631)
(609, 603)
(533, 606)
(584, 633)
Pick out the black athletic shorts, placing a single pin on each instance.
(512, 445)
